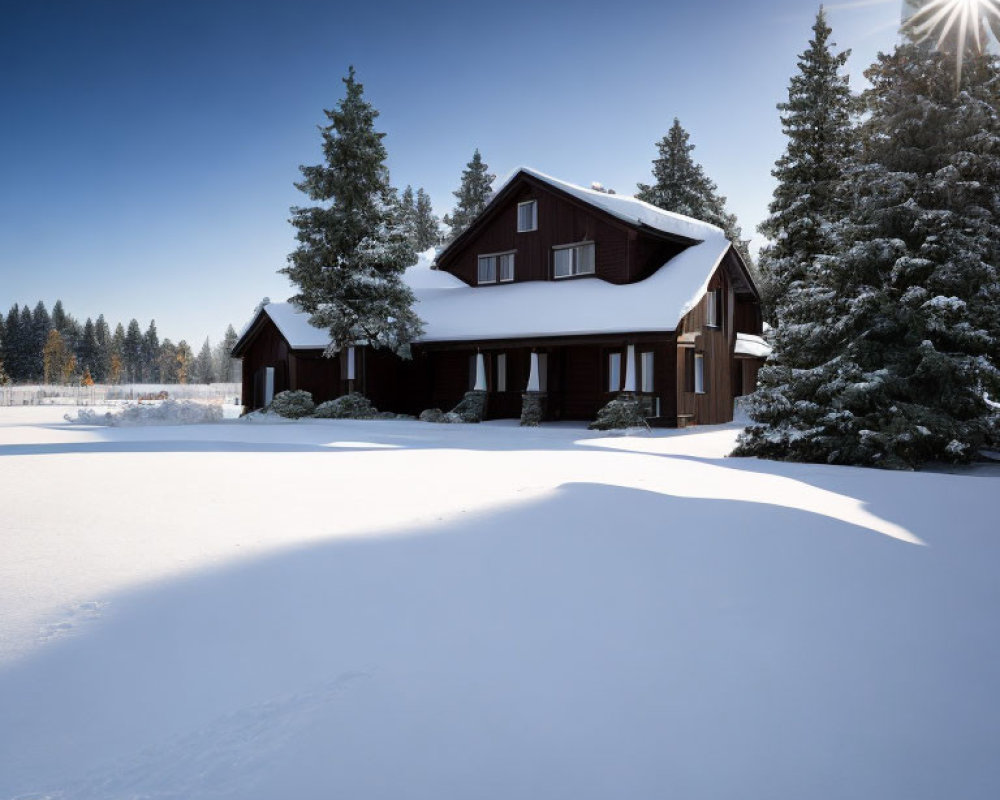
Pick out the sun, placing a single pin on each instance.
(958, 24)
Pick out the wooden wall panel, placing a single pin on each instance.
(268, 349)
(559, 222)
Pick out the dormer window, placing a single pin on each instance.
(496, 267)
(527, 216)
(573, 259)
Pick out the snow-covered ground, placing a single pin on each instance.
(402, 610)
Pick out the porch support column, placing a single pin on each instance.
(533, 374)
(630, 370)
(480, 373)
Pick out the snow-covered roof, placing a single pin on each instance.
(454, 311)
(624, 207)
(567, 308)
(749, 345)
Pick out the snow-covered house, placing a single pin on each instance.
(571, 292)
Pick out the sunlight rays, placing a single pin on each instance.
(960, 24)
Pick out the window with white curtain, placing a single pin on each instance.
(614, 372)
(699, 373)
(576, 259)
(527, 216)
(499, 265)
(646, 362)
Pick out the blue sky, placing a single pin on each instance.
(148, 149)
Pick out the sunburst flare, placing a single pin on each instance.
(961, 23)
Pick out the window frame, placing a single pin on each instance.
(713, 310)
(496, 267)
(573, 247)
(534, 216)
(501, 370)
(700, 382)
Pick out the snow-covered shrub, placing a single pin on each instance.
(622, 412)
(349, 406)
(437, 415)
(292, 403)
(169, 412)
(472, 407)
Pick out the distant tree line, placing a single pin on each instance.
(41, 347)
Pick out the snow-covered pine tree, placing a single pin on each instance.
(899, 338)
(681, 185)
(427, 227)
(31, 352)
(202, 371)
(473, 194)
(809, 196)
(406, 214)
(224, 365)
(352, 254)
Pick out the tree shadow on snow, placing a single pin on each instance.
(599, 641)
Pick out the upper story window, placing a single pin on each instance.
(527, 216)
(496, 267)
(574, 259)
(713, 311)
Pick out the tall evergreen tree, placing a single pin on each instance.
(427, 229)
(13, 347)
(681, 185)
(168, 361)
(102, 362)
(87, 348)
(116, 361)
(202, 371)
(225, 366)
(41, 324)
(809, 196)
(150, 354)
(900, 337)
(473, 194)
(132, 352)
(59, 319)
(406, 214)
(351, 255)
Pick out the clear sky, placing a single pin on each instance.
(148, 147)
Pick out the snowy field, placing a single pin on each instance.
(333, 609)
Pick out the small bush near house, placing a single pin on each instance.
(293, 404)
(622, 412)
(348, 406)
(437, 415)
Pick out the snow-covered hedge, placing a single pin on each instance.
(293, 404)
(349, 406)
(169, 412)
(437, 415)
(622, 412)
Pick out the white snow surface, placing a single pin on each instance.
(747, 344)
(386, 609)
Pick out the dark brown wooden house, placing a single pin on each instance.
(571, 292)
